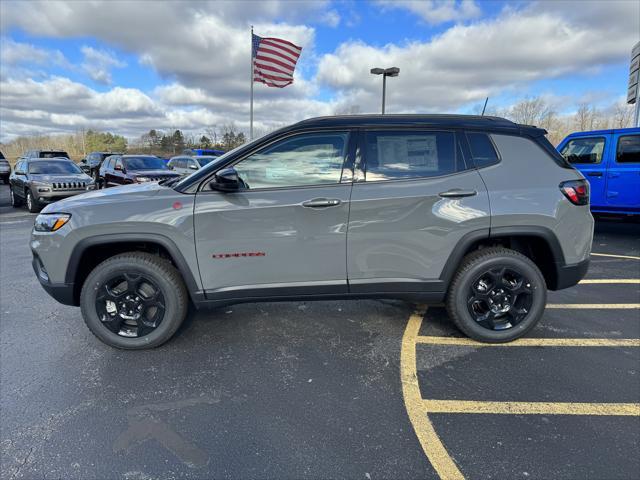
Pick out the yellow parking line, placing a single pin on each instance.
(534, 342)
(598, 306)
(630, 257)
(610, 280)
(427, 436)
(532, 408)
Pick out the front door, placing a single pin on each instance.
(285, 233)
(588, 155)
(623, 176)
(418, 200)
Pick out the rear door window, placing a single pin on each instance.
(587, 150)
(397, 155)
(628, 150)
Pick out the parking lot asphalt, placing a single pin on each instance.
(360, 389)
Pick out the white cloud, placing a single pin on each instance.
(437, 11)
(201, 49)
(14, 53)
(468, 62)
(98, 64)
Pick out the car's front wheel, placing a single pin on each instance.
(15, 201)
(134, 301)
(32, 203)
(497, 295)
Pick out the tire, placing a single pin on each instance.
(32, 203)
(474, 287)
(15, 201)
(149, 267)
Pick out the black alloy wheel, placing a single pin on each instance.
(130, 305)
(500, 298)
(497, 295)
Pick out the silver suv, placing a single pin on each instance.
(478, 212)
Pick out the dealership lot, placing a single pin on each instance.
(363, 389)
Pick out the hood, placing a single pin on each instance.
(153, 173)
(67, 177)
(108, 195)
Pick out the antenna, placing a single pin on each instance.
(485, 106)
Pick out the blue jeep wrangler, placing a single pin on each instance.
(610, 160)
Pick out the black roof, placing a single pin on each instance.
(435, 120)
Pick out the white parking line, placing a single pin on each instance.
(610, 280)
(630, 257)
(595, 306)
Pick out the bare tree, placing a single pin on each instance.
(531, 111)
(622, 115)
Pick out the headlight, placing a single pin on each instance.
(143, 179)
(91, 186)
(42, 187)
(50, 222)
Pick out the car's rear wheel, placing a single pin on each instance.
(15, 201)
(32, 203)
(497, 295)
(134, 301)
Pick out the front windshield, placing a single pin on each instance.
(205, 160)
(144, 163)
(59, 167)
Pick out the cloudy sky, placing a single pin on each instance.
(128, 66)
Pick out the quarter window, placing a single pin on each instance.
(482, 150)
(303, 160)
(584, 150)
(401, 155)
(628, 150)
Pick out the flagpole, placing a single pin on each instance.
(251, 80)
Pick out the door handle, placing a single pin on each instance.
(457, 193)
(321, 203)
(594, 174)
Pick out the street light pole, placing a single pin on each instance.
(385, 72)
(384, 91)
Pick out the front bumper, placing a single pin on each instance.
(62, 292)
(50, 197)
(569, 275)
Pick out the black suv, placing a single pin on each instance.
(92, 163)
(5, 169)
(44, 154)
(126, 169)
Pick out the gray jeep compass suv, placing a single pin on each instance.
(478, 212)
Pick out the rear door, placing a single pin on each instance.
(285, 233)
(415, 199)
(623, 182)
(589, 154)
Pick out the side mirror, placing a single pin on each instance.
(119, 168)
(193, 167)
(226, 180)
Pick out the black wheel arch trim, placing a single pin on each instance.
(110, 239)
(564, 275)
(533, 231)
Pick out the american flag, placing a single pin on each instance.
(274, 61)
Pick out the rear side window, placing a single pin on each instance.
(584, 150)
(482, 149)
(53, 154)
(628, 150)
(401, 155)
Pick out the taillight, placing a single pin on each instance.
(577, 191)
